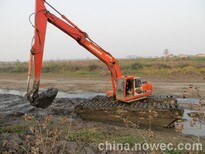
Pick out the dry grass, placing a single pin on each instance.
(141, 66)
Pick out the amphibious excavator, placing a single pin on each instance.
(130, 98)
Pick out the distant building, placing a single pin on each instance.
(182, 56)
(200, 55)
(170, 55)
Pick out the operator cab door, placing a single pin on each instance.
(129, 90)
(138, 90)
(125, 88)
(120, 89)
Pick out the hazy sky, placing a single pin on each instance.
(122, 27)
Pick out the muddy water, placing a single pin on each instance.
(192, 128)
(197, 128)
(59, 95)
(18, 104)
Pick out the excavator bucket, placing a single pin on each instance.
(44, 99)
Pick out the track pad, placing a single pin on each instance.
(45, 99)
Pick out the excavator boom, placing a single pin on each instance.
(42, 16)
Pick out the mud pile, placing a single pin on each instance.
(18, 105)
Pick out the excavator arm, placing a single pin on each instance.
(42, 16)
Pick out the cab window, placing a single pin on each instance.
(137, 83)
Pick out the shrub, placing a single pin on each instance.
(136, 66)
(74, 68)
(18, 67)
(161, 66)
(92, 67)
(182, 65)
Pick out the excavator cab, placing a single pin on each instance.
(131, 88)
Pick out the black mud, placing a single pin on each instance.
(44, 99)
(18, 105)
(14, 107)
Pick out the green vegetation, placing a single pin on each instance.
(12, 129)
(86, 135)
(91, 135)
(173, 152)
(141, 66)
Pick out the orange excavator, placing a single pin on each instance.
(125, 89)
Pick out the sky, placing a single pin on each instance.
(142, 28)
